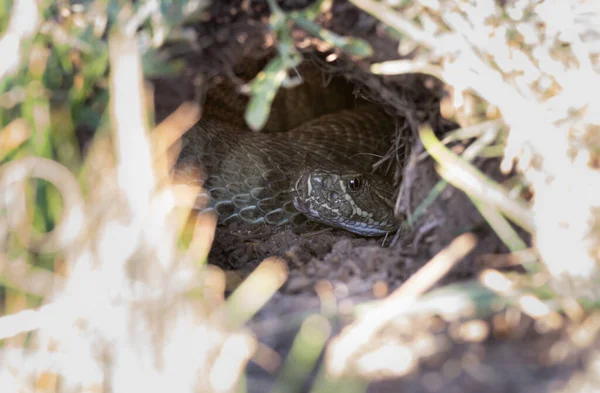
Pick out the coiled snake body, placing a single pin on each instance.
(321, 169)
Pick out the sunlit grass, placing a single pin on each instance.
(502, 60)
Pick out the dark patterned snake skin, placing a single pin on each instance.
(321, 169)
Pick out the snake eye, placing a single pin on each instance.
(355, 183)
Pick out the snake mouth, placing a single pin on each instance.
(371, 232)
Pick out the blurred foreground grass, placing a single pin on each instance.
(98, 291)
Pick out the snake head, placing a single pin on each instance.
(345, 198)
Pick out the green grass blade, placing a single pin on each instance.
(263, 89)
(464, 176)
(303, 356)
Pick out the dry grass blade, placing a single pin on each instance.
(169, 131)
(342, 349)
(28, 320)
(521, 257)
(130, 129)
(387, 16)
(473, 131)
(13, 177)
(255, 291)
(395, 67)
(23, 24)
(13, 135)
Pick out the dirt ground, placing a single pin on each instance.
(516, 356)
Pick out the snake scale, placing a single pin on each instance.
(321, 169)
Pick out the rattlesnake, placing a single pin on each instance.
(321, 169)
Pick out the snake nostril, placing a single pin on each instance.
(333, 195)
